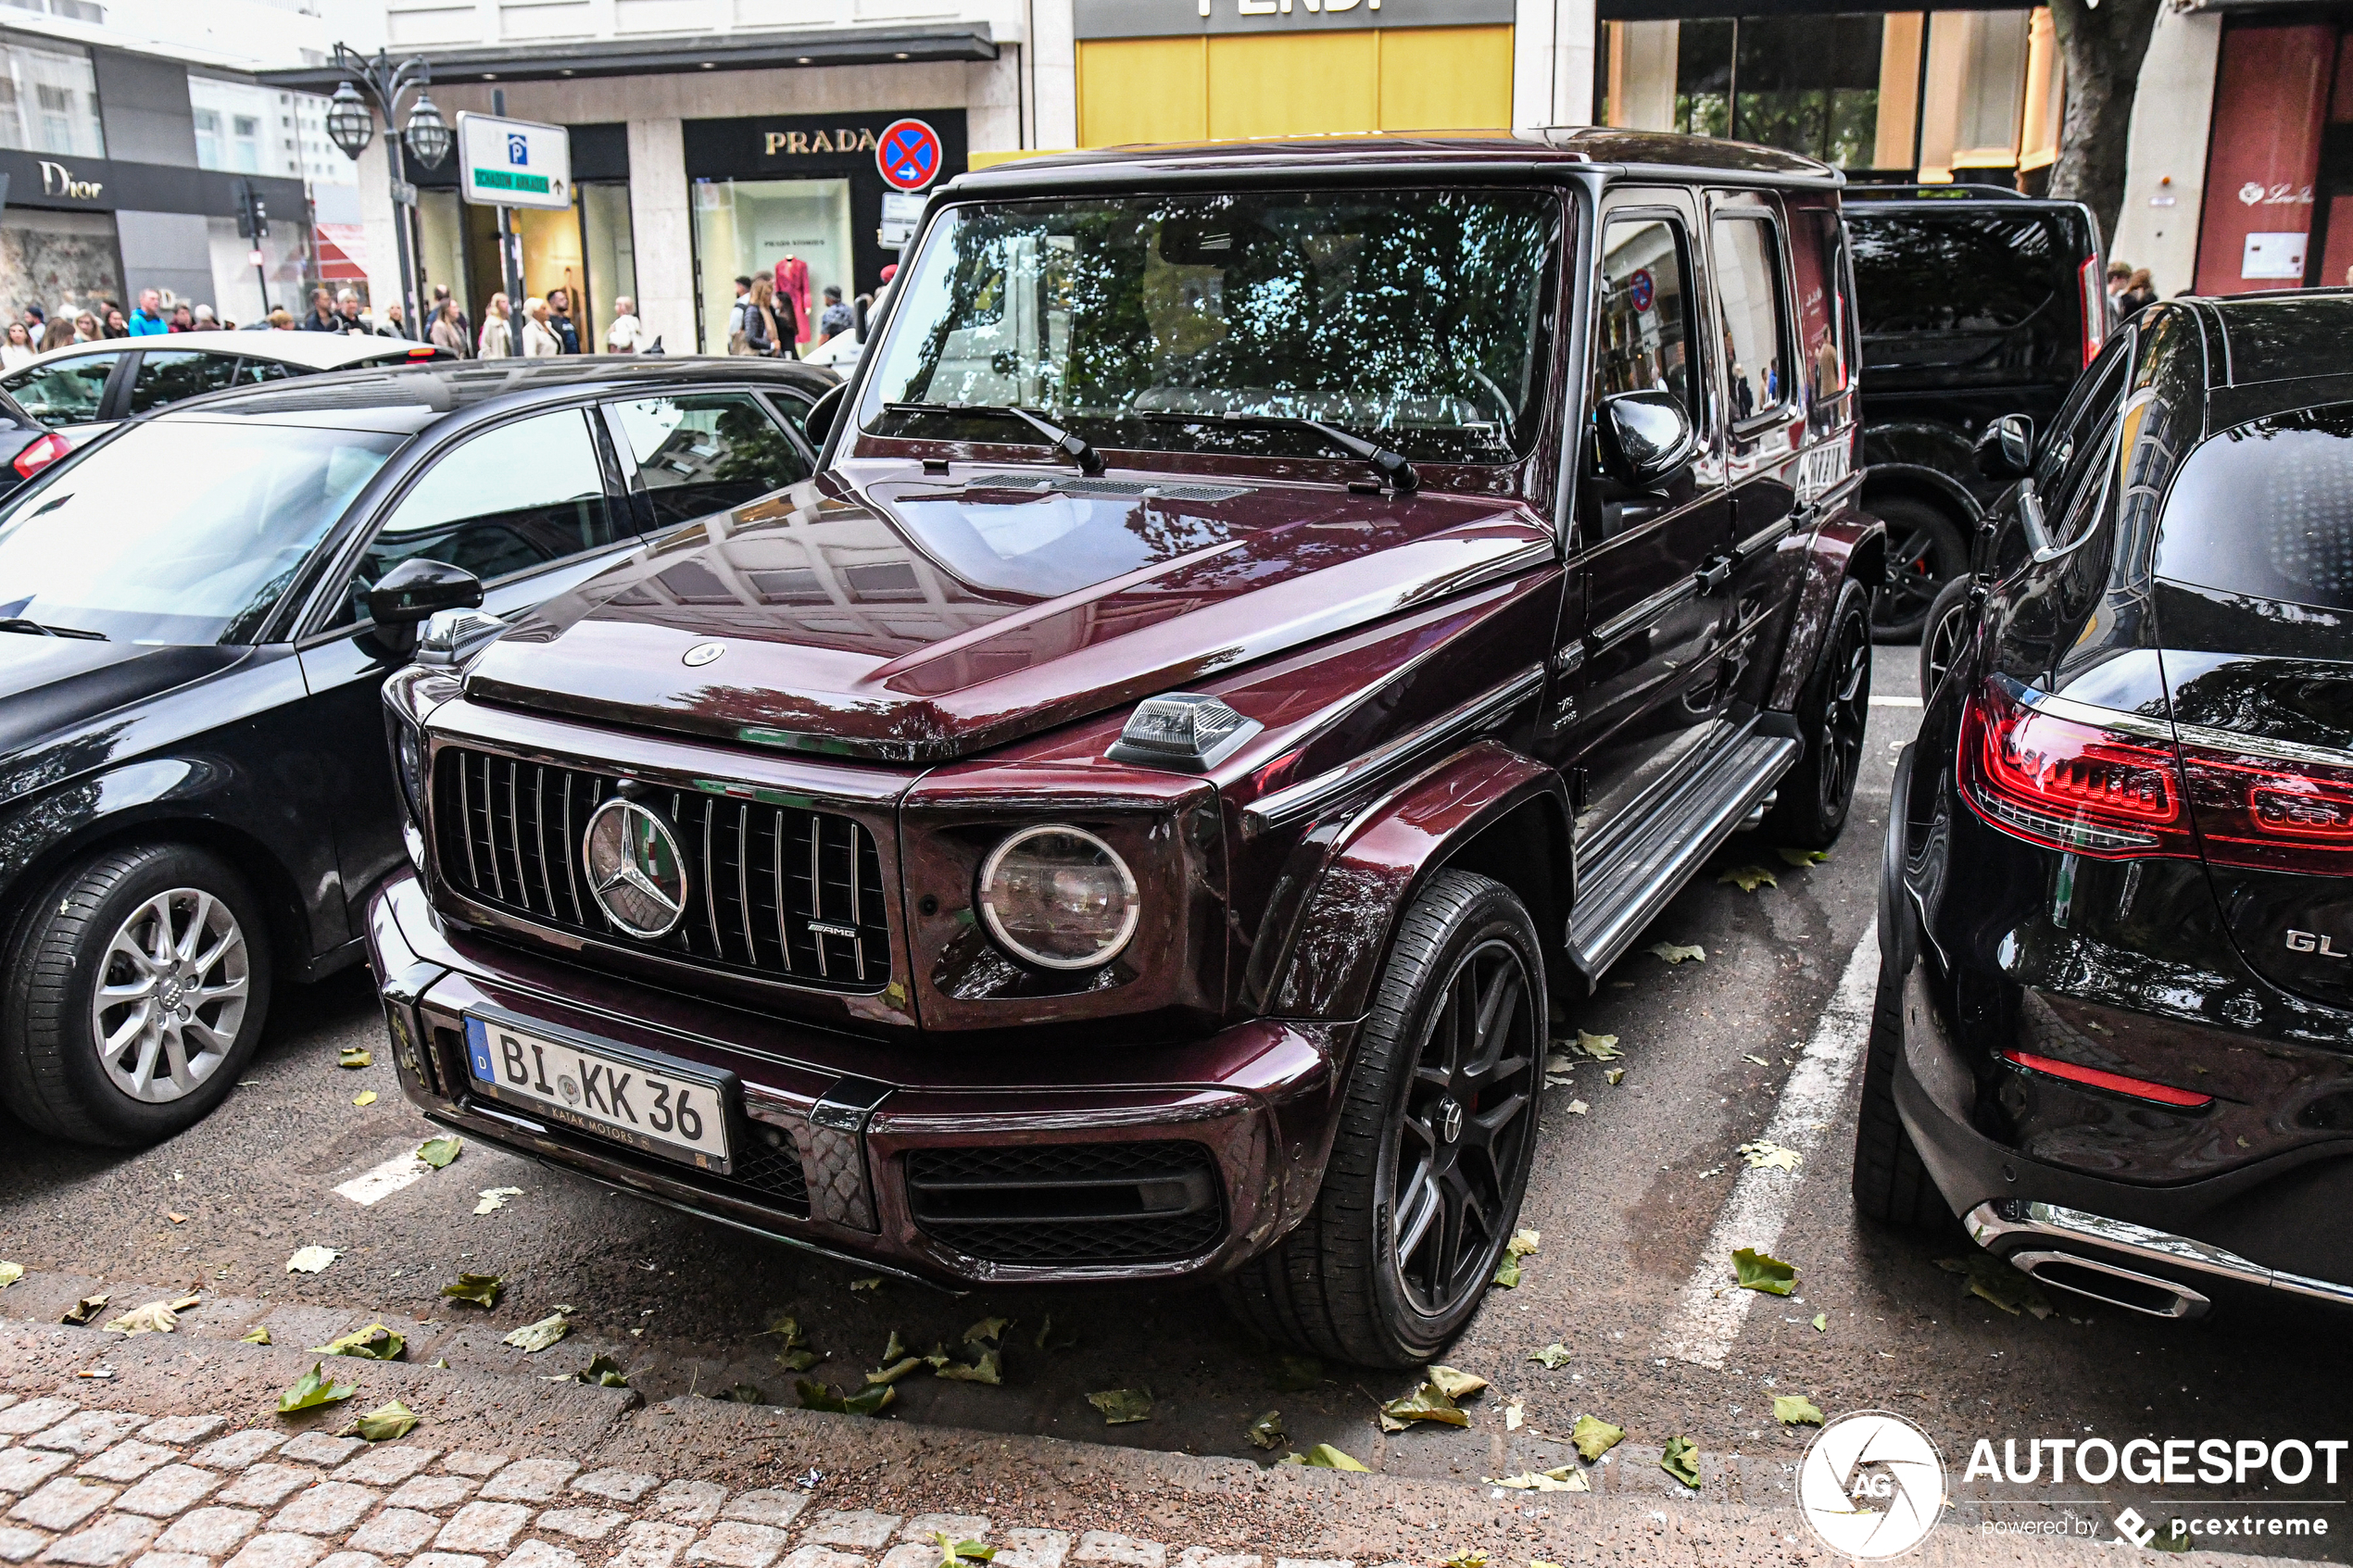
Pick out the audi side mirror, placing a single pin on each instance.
(1645, 437)
(417, 589)
(2006, 450)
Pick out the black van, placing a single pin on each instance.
(1975, 301)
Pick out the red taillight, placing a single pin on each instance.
(2098, 1078)
(422, 351)
(2269, 812)
(2094, 308)
(2114, 792)
(2068, 783)
(39, 455)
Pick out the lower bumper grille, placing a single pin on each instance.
(1069, 1203)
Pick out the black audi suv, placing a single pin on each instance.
(2114, 1029)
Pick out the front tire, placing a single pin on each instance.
(1834, 711)
(136, 991)
(1436, 1139)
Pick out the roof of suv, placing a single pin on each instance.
(404, 399)
(1438, 153)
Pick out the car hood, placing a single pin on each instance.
(878, 613)
(52, 688)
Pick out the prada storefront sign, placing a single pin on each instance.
(1165, 18)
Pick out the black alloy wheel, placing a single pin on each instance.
(1926, 549)
(1470, 1106)
(1436, 1139)
(1833, 713)
(1941, 638)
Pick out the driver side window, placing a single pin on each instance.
(511, 500)
(1645, 342)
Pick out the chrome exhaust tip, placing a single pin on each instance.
(2128, 1289)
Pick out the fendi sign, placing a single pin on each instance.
(803, 144)
(1160, 18)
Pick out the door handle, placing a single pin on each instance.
(1713, 574)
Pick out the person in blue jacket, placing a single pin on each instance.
(148, 320)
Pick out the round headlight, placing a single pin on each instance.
(1059, 897)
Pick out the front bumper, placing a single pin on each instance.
(830, 1122)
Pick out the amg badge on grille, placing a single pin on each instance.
(635, 870)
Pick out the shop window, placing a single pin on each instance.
(523, 496)
(167, 375)
(794, 232)
(1748, 287)
(1976, 87)
(706, 453)
(1838, 88)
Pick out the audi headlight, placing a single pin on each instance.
(1058, 897)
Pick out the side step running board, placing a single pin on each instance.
(1623, 892)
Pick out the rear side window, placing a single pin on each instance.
(1748, 285)
(167, 375)
(64, 392)
(1981, 289)
(2266, 511)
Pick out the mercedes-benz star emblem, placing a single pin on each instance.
(701, 653)
(1449, 1121)
(635, 869)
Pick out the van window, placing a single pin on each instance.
(1989, 293)
(1645, 343)
(2266, 510)
(1748, 285)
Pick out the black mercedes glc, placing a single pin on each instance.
(2114, 1029)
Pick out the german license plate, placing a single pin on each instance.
(639, 1101)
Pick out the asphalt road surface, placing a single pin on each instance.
(1637, 1197)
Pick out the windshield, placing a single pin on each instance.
(180, 533)
(1419, 318)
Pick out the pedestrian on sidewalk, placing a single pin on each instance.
(560, 319)
(497, 339)
(762, 336)
(182, 320)
(116, 325)
(837, 318)
(206, 322)
(448, 328)
(282, 321)
(323, 314)
(539, 339)
(627, 334)
(736, 313)
(19, 349)
(148, 320)
(2139, 294)
(83, 328)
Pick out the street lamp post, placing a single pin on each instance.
(351, 125)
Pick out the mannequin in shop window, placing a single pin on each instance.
(792, 288)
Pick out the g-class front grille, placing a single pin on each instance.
(780, 892)
(1069, 1203)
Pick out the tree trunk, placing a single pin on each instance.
(2102, 46)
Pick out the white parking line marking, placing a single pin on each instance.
(1895, 702)
(373, 1187)
(1713, 1307)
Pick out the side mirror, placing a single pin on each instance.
(2006, 450)
(822, 413)
(1645, 437)
(418, 588)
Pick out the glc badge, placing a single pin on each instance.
(635, 869)
(701, 653)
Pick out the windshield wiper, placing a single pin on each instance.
(1074, 447)
(35, 628)
(1395, 470)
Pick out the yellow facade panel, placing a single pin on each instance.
(1446, 79)
(1142, 89)
(1293, 84)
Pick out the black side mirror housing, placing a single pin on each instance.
(1645, 437)
(823, 412)
(2005, 449)
(417, 589)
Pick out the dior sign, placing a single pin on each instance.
(57, 180)
(1156, 18)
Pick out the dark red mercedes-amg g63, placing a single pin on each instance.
(1268, 618)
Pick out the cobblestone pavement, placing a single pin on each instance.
(175, 1461)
